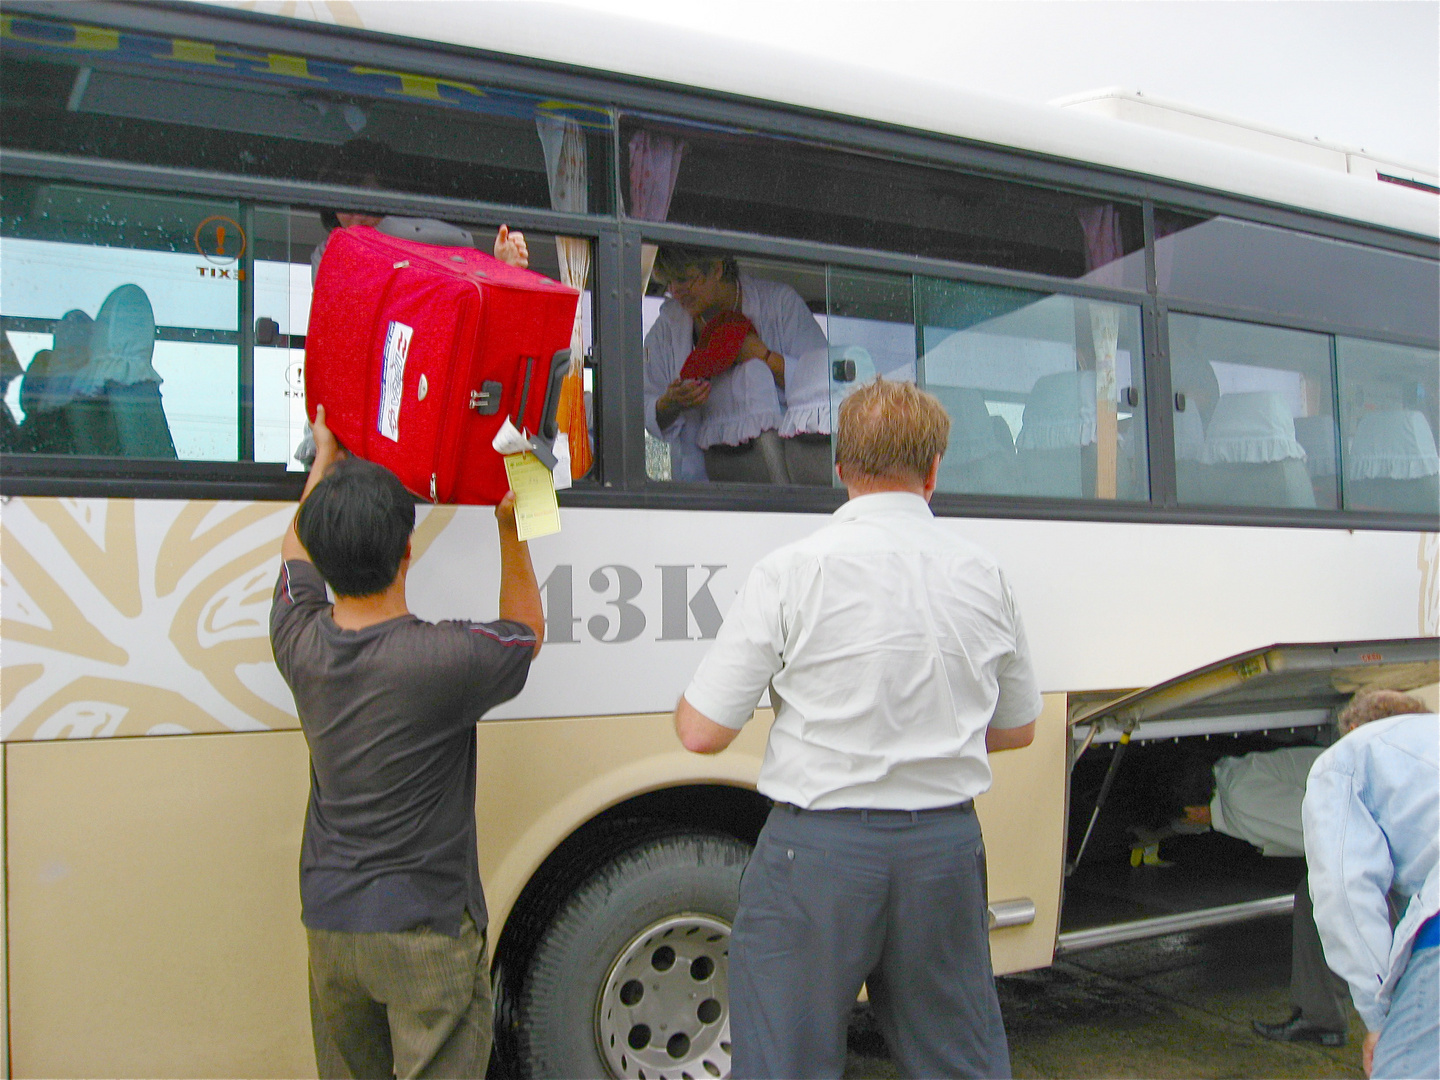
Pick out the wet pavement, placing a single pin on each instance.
(1178, 1006)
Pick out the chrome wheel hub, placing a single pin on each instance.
(664, 1011)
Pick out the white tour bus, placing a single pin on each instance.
(1193, 381)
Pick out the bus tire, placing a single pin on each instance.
(630, 978)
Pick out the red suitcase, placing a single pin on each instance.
(419, 353)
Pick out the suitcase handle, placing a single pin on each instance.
(549, 427)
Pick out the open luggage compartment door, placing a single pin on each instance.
(1275, 686)
(1284, 694)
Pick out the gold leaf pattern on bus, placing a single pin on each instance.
(113, 568)
(241, 590)
(430, 526)
(184, 586)
(184, 545)
(15, 678)
(92, 707)
(68, 630)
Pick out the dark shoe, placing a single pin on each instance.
(1298, 1029)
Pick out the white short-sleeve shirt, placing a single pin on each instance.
(889, 646)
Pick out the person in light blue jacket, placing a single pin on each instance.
(1372, 830)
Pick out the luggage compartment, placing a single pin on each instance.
(1280, 696)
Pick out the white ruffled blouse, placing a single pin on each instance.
(744, 401)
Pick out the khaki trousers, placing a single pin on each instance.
(411, 1004)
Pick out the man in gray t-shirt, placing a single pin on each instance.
(389, 882)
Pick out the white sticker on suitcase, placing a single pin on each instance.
(392, 379)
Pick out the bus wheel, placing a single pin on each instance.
(631, 977)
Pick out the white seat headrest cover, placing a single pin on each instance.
(1393, 445)
(1060, 413)
(1252, 428)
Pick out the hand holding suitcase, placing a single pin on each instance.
(419, 353)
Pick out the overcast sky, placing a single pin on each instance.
(1361, 72)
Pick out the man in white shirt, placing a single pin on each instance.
(731, 427)
(896, 659)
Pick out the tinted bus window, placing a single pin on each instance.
(1264, 269)
(123, 311)
(1255, 415)
(742, 181)
(71, 88)
(1388, 419)
(1044, 392)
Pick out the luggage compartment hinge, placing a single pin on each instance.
(486, 400)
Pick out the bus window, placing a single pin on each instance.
(870, 322)
(284, 240)
(123, 310)
(755, 409)
(1255, 416)
(81, 90)
(739, 180)
(1279, 272)
(1044, 392)
(1388, 397)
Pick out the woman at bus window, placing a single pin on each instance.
(728, 427)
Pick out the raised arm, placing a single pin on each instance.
(327, 451)
(519, 591)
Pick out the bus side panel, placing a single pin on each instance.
(1023, 815)
(154, 907)
(540, 780)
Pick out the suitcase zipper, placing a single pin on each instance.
(452, 376)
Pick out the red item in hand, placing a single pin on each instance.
(719, 346)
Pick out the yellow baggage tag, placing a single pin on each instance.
(536, 511)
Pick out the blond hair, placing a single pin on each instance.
(1369, 705)
(890, 430)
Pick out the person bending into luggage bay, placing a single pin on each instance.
(739, 424)
(389, 884)
(1257, 798)
(1372, 826)
(896, 660)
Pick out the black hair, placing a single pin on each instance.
(673, 260)
(1193, 783)
(361, 163)
(355, 525)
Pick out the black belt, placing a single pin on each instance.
(882, 814)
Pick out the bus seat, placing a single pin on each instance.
(121, 381)
(1004, 437)
(1251, 456)
(45, 430)
(1393, 463)
(813, 392)
(1056, 446)
(976, 461)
